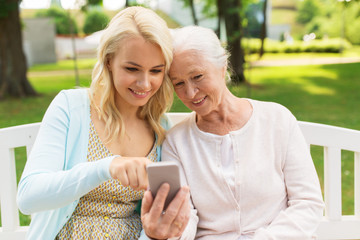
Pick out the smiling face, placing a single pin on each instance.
(137, 70)
(197, 82)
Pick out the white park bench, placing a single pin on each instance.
(333, 139)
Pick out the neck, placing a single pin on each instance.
(128, 112)
(225, 109)
(231, 114)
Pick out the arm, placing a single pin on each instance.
(44, 184)
(305, 205)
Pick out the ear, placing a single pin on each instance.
(108, 64)
(224, 71)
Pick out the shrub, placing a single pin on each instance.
(333, 45)
(61, 19)
(95, 21)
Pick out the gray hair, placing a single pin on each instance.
(203, 40)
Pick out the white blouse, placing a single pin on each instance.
(258, 181)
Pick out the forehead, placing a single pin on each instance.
(138, 48)
(187, 62)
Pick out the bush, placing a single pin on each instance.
(334, 45)
(61, 19)
(95, 21)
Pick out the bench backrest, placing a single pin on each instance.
(332, 139)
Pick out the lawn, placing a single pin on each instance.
(326, 94)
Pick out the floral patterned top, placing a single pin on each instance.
(108, 211)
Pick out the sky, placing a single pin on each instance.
(67, 4)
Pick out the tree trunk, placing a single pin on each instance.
(263, 29)
(234, 33)
(13, 67)
(220, 14)
(193, 12)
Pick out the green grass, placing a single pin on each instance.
(326, 94)
(64, 65)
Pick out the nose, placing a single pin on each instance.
(144, 82)
(191, 91)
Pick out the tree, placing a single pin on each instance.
(263, 29)
(13, 67)
(193, 12)
(191, 4)
(234, 33)
(307, 10)
(61, 19)
(95, 21)
(231, 13)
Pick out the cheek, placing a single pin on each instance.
(180, 93)
(157, 81)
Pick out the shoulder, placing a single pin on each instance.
(183, 126)
(272, 116)
(72, 99)
(74, 95)
(271, 110)
(67, 103)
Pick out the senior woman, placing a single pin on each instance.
(246, 162)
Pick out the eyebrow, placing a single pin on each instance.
(135, 64)
(190, 73)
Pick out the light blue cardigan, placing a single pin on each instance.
(57, 173)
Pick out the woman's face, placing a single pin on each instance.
(197, 82)
(137, 70)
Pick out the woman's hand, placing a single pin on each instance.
(130, 171)
(159, 224)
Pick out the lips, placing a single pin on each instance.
(199, 101)
(140, 94)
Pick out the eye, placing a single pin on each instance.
(197, 77)
(155, 71)
(131, 69)
(178, 84)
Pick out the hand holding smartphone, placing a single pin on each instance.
(164, 172)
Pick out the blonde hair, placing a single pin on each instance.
(130, 22)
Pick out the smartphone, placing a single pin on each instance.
(164, 172)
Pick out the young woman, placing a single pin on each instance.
(86, 172)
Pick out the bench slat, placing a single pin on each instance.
(8, 188)
(332, 183)
(19, 233)
(357, 183)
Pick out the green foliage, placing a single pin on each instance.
(63, 22)
(353, 33)
(319, 46)
(254, 19)
(307, 10)
(337, 20)
(95, 21)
